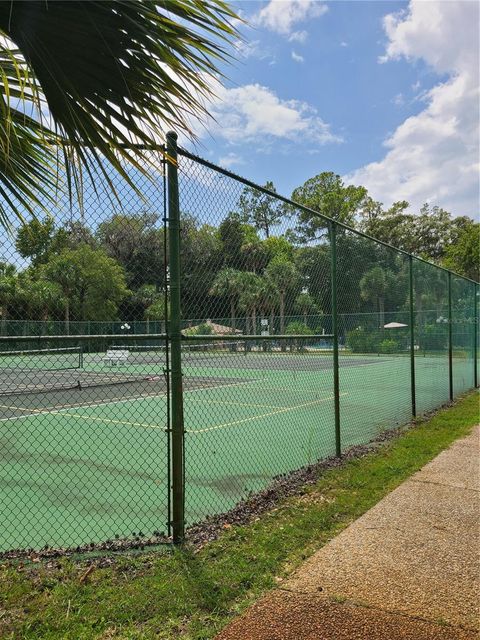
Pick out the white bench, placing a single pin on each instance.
(116, 356)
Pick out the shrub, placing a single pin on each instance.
(389, 346)
(362, 341)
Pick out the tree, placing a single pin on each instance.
(283, 275)
(261, 210)
(8, 291)
(463, 256)
(34, 239)
(374, 286)
(40, 296)
(152, 64)
(228, 284)
(306, 304)
(135, 242)
(327, 194)
(250, 298)
(201, 260)
(235, 234)
(92, 283)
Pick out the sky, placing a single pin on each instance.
(385, 94)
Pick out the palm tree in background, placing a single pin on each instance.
(228, 284)
(81, 80)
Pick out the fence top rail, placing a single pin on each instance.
(239, 336)
(330, 221)
(128, 337)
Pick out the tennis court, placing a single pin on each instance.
(85, 450)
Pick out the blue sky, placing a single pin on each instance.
(383, 93)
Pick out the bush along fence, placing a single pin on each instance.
(168, 351)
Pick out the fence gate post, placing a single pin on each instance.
(336, 382)
(412, 339)
(176, 383)
(450, 347)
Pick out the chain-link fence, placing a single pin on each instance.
(168, 351)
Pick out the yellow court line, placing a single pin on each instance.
(48, 410)
(264, 415)
(109, 420)
(37, 412)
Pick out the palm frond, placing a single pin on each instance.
(111, 73)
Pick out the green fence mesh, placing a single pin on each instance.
(96, 450)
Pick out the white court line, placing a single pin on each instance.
(264, 415)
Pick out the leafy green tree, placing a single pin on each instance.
(301, 329)
(255, 256)
(201, 260)
(463, 256)
(284, 276)
(135, 242)
(327, 194)
(151, 65)
(235, 234)
(278, 246)
(228, 284)
(40, 297)
(374, 287)
(306, 305)
(156, 311)
(92, 283)
(9, 290)
(261, 210)
(34, 239)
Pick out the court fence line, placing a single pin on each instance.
(260, 337)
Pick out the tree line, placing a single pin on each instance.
(243, 268)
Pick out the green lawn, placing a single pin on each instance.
(192, 593)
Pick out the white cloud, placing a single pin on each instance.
(252, 49)
(343, 43)
(281, 16)
(398, 100)
(298, 36)
(230, 160)
(252, 113)
(433, 156)
(297, 57)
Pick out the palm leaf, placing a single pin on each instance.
(111, 73)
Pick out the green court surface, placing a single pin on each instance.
(88, 464)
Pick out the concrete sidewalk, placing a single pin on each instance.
(407, 569)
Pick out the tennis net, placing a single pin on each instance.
(60, 359)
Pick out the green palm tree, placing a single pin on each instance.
(283, 274)
(250, 298)
(228, 284)
(106, 74)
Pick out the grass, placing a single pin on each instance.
(192, 593)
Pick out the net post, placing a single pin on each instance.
(475, 335)
(450, 337)
(412, 338)
(336, 382)
(176, 383)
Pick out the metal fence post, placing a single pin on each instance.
(336, 382)
(412, 339)
(450, 347)
(475, 335)
(176, 383)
